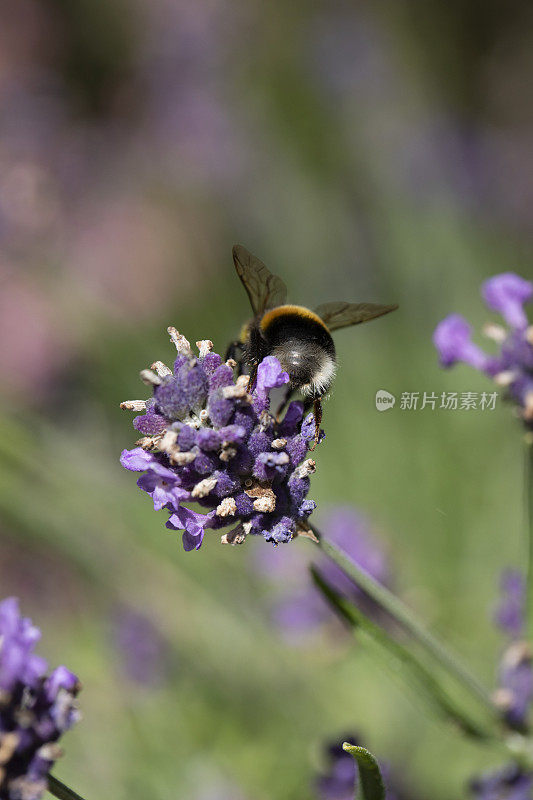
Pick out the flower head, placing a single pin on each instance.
(512, 367)
(210, 442)
(35, 708)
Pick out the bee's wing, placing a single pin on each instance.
(264, 289)
(340, 315)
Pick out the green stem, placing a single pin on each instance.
(528, 488)
(399, 660)
(370, 780)
(60, 790)
(405, 617)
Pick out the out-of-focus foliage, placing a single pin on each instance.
(378, 152)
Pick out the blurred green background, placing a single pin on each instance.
(378, 152)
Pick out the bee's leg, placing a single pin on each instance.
(317, 411)
(253, 377)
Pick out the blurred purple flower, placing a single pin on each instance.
(190, 117)
(507, 294)
(515, 691)
(350, 532)
(509, 614)
(452, 338)
(144, 652)
(515, 675)
(509, 783)
(73, 189)
(299, 609)
(339, 780)
(35, 709)
(513, 366)
(215, 444)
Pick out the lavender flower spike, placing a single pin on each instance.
(512, 367)
(35, 709)
(515, 691)
(211, 442)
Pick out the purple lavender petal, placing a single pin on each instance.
(290, 423)
(136, 460)
(270, 376)
(507, 293)
(60, 678)
(308, 429)
(452, 338)
(192, 524)
(163, 486)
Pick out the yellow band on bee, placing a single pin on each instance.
(280, 311)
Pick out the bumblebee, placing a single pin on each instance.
(299, 338)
